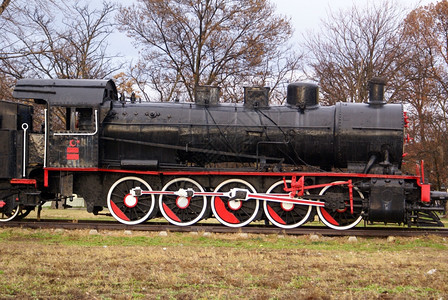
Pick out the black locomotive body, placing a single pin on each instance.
(189, 134)
(190, 161)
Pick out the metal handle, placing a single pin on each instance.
(25, 128)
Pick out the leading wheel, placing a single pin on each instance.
(342, 218)
(234, 212)
(10, 209)
(127, 208)
(182, 209)
(285, 215)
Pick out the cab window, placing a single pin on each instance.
(72, 119)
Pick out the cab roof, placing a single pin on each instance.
(67, 92)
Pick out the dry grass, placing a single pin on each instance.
(55, 264)
(70, 214)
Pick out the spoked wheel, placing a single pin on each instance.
(9, 210)
(127, 208)
(342, 218)
(183, 210)
(23, 212)
(235, 212)
(285, 215)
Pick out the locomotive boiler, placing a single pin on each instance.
(207, 132)
(190, 161)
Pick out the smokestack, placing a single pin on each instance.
(376, 90)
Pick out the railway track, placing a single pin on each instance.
(212, 228)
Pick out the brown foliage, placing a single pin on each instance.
(4, 5)
(124, 84)
(424, 86)
(186, 43)
(6, 85)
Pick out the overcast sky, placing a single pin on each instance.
(307, 14)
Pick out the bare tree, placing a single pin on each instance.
(66, 40)
(186, 43)
(50, 39)
(352, 47)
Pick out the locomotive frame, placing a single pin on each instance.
(188, 162)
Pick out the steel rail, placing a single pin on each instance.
(217, 228)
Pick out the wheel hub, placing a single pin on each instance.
(287, 206)
(182, 202)
(235, 204)
(130, 201)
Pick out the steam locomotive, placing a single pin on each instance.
(187, 162)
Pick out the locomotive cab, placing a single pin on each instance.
(72, 118)
(70, 131)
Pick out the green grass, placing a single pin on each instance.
(176, 239)
(271, 242)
